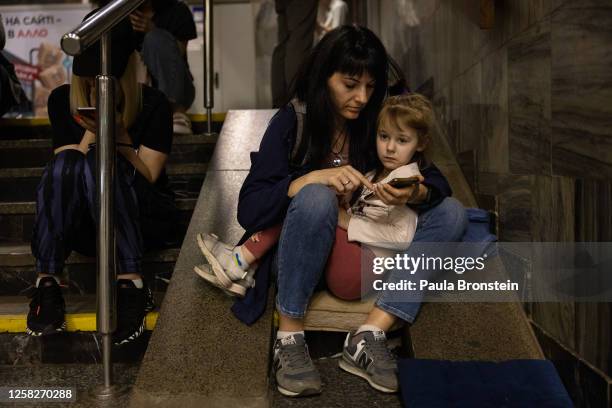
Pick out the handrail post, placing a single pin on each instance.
(105, 177)
(209, 100)
(105, 199)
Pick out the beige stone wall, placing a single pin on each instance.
(527, 108)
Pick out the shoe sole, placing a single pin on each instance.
(46, 332)
(352, 369)
(218, 270)
(306, 392)
(233, 290)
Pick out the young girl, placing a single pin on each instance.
(403, 133)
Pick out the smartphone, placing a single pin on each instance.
(88, 112)
(401, 182)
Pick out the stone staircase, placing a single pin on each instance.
(25, 148)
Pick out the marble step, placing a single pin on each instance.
(22, 153)
(39, 128)
(17, 219)
(18, 272)
(19, 184)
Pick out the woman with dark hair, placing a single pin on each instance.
(312, 158)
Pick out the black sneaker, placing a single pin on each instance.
(149, 299)
(47, 309)
(132, 304)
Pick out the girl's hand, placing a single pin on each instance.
(343, 218)
(343, 180)
(398, 196)
(344, 201)
(255, 237)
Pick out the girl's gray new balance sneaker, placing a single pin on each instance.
(366, 355)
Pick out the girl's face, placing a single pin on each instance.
(350, 93)
(395, 147)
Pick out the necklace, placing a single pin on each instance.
(337, 161)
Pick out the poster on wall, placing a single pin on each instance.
(33, 34)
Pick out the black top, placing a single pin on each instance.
(176, 18)
(173, 16)
(152, 127)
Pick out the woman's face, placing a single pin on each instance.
(395, 147)
(350, 93)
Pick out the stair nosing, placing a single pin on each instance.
(196, 139)
(29, 207)
(172, 170)
(21, 255)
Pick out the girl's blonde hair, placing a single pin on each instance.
(409, 110)
(131, 104)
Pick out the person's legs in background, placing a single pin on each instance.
(61, 215)
(296, 24)
(170, 73)
(306, 239)
(134, 298)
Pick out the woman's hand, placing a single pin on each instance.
(344, 180)
(142, 21)
(86, 123)
(400, 196)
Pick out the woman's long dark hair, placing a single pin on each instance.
(351, 50)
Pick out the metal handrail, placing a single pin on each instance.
(92, 29)
(209, 101)
(97, 27)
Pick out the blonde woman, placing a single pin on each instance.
(65, 198)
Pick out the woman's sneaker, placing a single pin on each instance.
(47, 309)
(221, 258)
(132, 305)
(237, 288)
(296, 374)
(366, 355)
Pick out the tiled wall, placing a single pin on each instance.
(527, 107)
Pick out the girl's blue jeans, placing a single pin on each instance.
(308, 234)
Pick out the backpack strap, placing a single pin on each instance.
(299, 153)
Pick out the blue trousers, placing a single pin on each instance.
(168, 68)
(66, 210)
(307, 237)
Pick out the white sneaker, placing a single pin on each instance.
(235, 289)
(181, 124)
(220, 257)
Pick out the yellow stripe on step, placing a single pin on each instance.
(75, 322)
